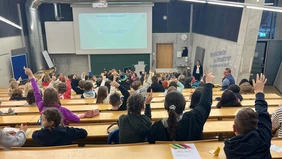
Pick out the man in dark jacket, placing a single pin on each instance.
(252, 129)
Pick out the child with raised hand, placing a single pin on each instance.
(115, 98)
(77, 85)
(46, 81)
(252, 129)
(90, 92)
(54, 81)
(50, 99)
(136, 85)
(134, 127)
(53, 134)
(103, 95)
(13, 139)
(179, 126)
(176, 84)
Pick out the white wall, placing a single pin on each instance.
(237, 55)
(6, 45)
(178, 43)
(212, 63)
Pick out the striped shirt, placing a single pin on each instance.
(277, 121)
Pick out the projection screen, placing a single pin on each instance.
(113, 30)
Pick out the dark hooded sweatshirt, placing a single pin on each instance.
(58, 136)
(256, 144)
(74, 86)
(190, 127)
(156, 87)
(134, 128)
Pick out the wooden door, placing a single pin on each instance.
(164, 55)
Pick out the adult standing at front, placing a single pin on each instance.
(227, 79)
(198, 71)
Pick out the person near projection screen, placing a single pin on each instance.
(198, 71)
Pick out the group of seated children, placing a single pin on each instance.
(253, 129)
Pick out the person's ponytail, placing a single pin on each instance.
(172, 122)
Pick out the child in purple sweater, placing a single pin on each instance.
(50, 99)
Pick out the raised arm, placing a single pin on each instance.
(264, 124)
(83, 76)
(143, 90)
(39, 82)
(203, 108)
(180, 86)
(68, 92)
(37, 94)
(148, 105)
(124, 92)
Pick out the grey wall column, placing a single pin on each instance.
(278, 28)
(35, 37)
(248, 35)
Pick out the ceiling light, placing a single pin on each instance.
(266, 9)
(227, 4)
(10, 22)
(197, 1)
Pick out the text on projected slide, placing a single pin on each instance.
(113, 30)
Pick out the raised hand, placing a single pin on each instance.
(115, 84)
(23, 127)
(149, 97)
(259, 83)
(209, 77)
(20, 79)
(28, 72)
(74, 76)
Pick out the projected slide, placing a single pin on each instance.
(113, 30)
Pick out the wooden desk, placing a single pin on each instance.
(5, 98)
(63, 102)
(4, 94)
(18, 119)
(158, 105)
(34, 109)
(142, 151)
(245, 96)
(100, 130)
(113, 116)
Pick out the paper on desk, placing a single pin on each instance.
(184, 151)
(276, 148)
